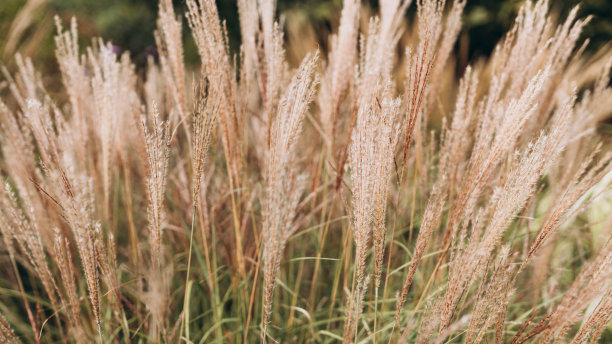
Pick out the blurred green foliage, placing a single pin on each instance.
(129, 24)
(487, 20)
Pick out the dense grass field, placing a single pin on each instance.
(379, 190)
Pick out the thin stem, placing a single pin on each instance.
(187, 276)
(375, 312)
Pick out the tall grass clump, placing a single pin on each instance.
(373, 188)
